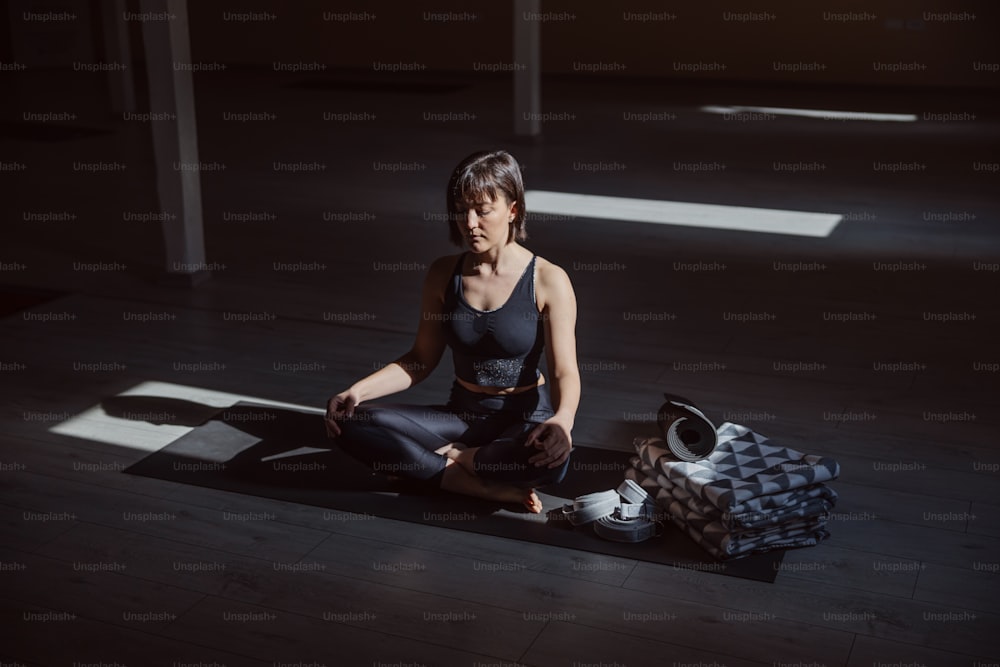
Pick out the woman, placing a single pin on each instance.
(506, 428)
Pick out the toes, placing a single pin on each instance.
(533, 503)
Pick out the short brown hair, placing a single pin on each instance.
(483, 175)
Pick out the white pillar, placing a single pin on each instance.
(175, 142)
(527, 81)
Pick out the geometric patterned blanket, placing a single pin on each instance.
(774, 509)
(748, 496)
(720, 540)
(742, 472)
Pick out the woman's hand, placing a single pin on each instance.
(552, 437)
(340, 406)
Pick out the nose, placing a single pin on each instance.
(471, 218)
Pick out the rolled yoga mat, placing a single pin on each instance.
(689, 434)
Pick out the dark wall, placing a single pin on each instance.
(882, 42)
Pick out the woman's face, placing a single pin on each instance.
(486, 224)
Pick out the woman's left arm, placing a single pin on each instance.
(558, 308)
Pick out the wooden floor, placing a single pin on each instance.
(97, 566)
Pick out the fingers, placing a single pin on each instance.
(332, 427)
(554, 454)
(562, 459)
(554, 444)
(535, 436)
(540, 438)
(552, 460)
(339, 407)
(335, 410)
(348, 407)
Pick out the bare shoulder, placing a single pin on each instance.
(552, 282)
(439, 272)
(551, 274)
(444, 264)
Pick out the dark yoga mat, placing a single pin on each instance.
(225, 452)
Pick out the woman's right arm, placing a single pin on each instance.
(409, 369)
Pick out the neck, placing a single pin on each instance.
(494, 257)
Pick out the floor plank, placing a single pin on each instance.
(823, 606)
(872, 651)
(32, 638)
(564, 644)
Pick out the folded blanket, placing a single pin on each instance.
(812, 501)
(724, 543)
(748, 496)
(743, 471)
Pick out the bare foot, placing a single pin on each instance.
(451, 450)
(458, 480)
(533, 502)
(526, 497)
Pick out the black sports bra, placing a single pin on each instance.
(499, 347)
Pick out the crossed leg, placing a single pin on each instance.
(407, 440)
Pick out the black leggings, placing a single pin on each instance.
(400, 439)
